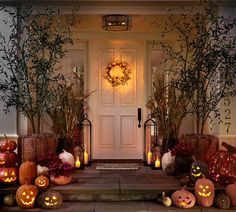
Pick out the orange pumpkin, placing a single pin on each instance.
(222, 165)
(26, 196)
(41, 182)
(183, 198)
(7, 145)
(8, 159)
(230, 190)
(61, 179)
(204, 192)
(27, 172)
(8, 175)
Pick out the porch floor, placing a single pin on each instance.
(95, 190)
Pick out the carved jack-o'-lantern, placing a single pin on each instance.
(204, 192)
(7, 144)
(41, 182)
(50, 200)
(198, 169)
(26, 195)
(8, 175)
(8, 159)
(183, 199)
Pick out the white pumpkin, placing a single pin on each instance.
(67, 157)
(167, 159)
(42, 170)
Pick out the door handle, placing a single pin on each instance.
(139, 117)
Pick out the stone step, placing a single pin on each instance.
(137, 185)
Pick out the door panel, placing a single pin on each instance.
(114, 110)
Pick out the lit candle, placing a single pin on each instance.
(157, 163)
(77, 163)
(85, 157)
(149, 157)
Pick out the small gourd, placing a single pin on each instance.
(166, 200)
(9, 200)
(222, 201)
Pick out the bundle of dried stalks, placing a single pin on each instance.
(167, 107)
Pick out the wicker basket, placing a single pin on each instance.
(34, 146)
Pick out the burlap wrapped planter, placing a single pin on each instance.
(204, 145)
(32, 147)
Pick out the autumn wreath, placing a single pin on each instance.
(118, 73)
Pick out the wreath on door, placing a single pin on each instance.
(118, 73)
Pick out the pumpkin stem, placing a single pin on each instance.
(203, 176)
(26, 180)
(163, 194)
(194, 158)
(5, 136)
(230, 148)
(184, 187)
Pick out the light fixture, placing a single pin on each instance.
(116, 22)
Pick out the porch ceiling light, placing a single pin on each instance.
(116, 22)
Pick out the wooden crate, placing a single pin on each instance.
(34, 146)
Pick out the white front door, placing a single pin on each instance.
(116, 134)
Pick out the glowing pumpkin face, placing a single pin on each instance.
(8, 175)
(198, 169)
(50, 200)
(183, 199)
(204, 192)
(42, 181)
(26, 195)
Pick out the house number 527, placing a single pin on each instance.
(227, 114)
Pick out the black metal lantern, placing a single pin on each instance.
(150, 139)
(79, 157)
(87, 130)
(83, 137)
(156, 157)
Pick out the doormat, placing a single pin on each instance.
(117, 166)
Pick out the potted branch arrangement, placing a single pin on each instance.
(168, 108)
(202, 67)
(67, 111)
(28, 69)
